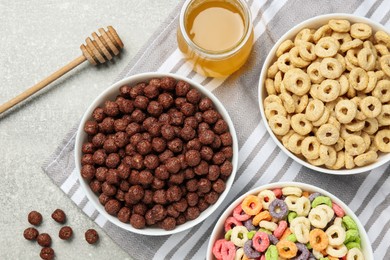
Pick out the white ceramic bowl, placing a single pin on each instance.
(110, 94)
(314, 22)
(218, 231)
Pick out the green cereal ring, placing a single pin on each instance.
(351, 235)
(357, 240)
(308, 246)
(272, 253)
(291, 238)
(228, 234)
(351, 245)
(265, 231)
(321, 200)
(291, 216)
(349, 223)
(251, 234)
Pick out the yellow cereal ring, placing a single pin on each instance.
(273, 109)
(263, 215)
(303, 35)
(350, 45)
(321, 32)
(328, 90)
(251, 205)
(286, 137)
(277, 81)
(323, 119)
(344, 85)
(300, 102)
(371, 125)
(355, 126)
(326, 47)
(272, 70)
(385, 64)
(284, 47)
(314, 110)
(272, 98)
(349, 163)
(355, 145)
(341, 59)
(269, 86)
(382, 49)
(352, 56)
(340, 161)
(306, 51)
(297, 81)
(288, 102)
(286, 249)
(318, 239)
(331, 68)
(370, 106)
(361, 31)
(382, 90)
(296, 59)
(342, 36)
(358, 79)
(300, 124)
(328, 134)
(337, 251)
(366, 59)
(345, 111)
(382, 37)
(339, 25)
(372, 80)
(382, 140)
(294, 143)
(313, 70)
(365, 158)
(280, 125)
(284, 62)
(384, 116)
(328, 154)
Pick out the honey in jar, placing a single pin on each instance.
(216, 36)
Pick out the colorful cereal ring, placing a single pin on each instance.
(292, 238)
(251, 234)
(303, 252)
(271, 253)
(228, 234)
(273, 239)
(286, 233)
(251, 205)
(239, 214)
(278, 232)
(349, 223)
(239, 254)
(231, 222)
(287, 249)
(248, 224)
(321, 200)
(260, 241)
(278, 209)
(239, 235)
(318, 239)
(278, 192)
(217, 248)
(250, 251)
(291, 216)
(338, 210)
(228, 250)
(264, 215)
(351, 235)
(313, 196)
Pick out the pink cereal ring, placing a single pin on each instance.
(217, 248)
(338, 210)
(231, 222)
(239, 214)
(278, 232)
(278, 192)
(260, 241)
(228, 250)
(262, 257)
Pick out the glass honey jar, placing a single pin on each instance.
(216, 36)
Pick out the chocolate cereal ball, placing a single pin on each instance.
(206, 137)
(192, 157)
(192, 213)
(88, 171)
(193, 96)
(44, 240)
(166, 100)
(30, 233)
(137, 221)
(47, 253)
(137, 90)
(174, 193)
(210, 116)
(35, 218)
(182, 88)
(169, 223)
(205, 104)
(91, 127)
(91, 236)
(167, 83)
(112, 207)
(65, 233)
(59, 216)
(98, 114)
(124, 214)
(141, 102)
(159, 212)
(111, 108)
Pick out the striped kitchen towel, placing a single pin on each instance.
(260, 160)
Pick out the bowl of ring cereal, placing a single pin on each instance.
(288, 220)
(324, 94)
(156, 153)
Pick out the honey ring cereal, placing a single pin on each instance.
(344, 85)
(284, 62)
(318, 239)
(313, 70)
(300, 102)
(345, 133)
(303, 35)
(369, 45)
(355, 125)
(336, 235)
(296, 60)
(306, 51)
(310, 147)
(323, 119)
(384, 117)
(342, 37)
(294, 143)
(349, 163)
(352, 56)
(313, 91)
(314, 110)
(328, 134)
(339, 145)
(284, 47)
(355, 145)
(280, 125)
(341, 59)
(326, 47)
(288, 102)
(286, 249)
(340, 161)
(345, 111)
(331, 68)
(382, 49)
(367, 140)
(321, 32)
(339, 25)
(366, 59)
(251, 205)
(366, 158)
(385, 64)
(382, 37)
(372, 81)
(382, 90)
(370, 106)
(371, 125)
(361, 31)
(286, 137)
(300, 124)
(272, 98)
(273, 109)
(328, 154)
(272, 70)
(297, 81)
(355, 43)
(328, 90)
(277, 81)
(269, 86)
(382, 140)
(358, 79)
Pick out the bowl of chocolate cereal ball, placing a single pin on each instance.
(288, 220)
(156, 153)
(324, 94)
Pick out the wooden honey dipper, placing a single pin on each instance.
(97, 50)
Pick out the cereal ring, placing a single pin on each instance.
(355, 125)
(323, 119)
(328, 154)
(260, 241)
(280, 125)
(239, 214)
(306, 51)
(272, 253)
(249, 250)
(228, 234)
(359, 114)
(342, 37)
(355, 43)
(300, 124)
(277, 81)
(296, 60)
(352, 56)
(384, 116)
(278, 192)
(328, 90)
(301, 233)
(297, 81)
(358, 79)
(381, 49)
(370, 106)
(339, 25)
(367, 139)
(355, 145)
(318, 239)
(291, 202)
(336, 235)
(231, 222)
(284, 62)
(286, 249)
(339, 145)
(313, 70)
(338, 211)
(345, 133)
(382, 140)
(310, 148)
(278, 209)
(366, 158)
(284, 47)
(321, 32)
(240, 253)
(337, 251)
(319, 200)
(349, 223)
(371, 124)
(341, 59)
(287, 137)
(268, 225)
(266, 197)
(303, 35)
(264, 215)
(344, 85)
(349, 163)
(274, 109)
(314, 110)
(318, 254)
(239, 235)
(294, 143)
(269, 86)
(366, 59)
(361, 31)
(328, 134)
(272, 70)
(318, 218)
(292, 191)
(326, 47)
(351, 234)
(369, 45)
(317, 162)
(278, 232)
(217, 248)
(382, 90)
(228, 250)
(288, 102)
(251, 205)
(300, 102)
(345, 111)
(302, 206)
(372, 80)
(340, 161)
(272, 98)
(382, 37)
(331, 68)
(355, 254)
(385, 64)
(248, 224)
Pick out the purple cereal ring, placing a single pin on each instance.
(249, 251)
(248, 224)
(303, 252)
(278, 209)
(273, 239)
(313, 196)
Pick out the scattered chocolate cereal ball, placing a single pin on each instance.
(35, 218)
(47, 253)
(65, 233)
(30, 233)
(137, 221)
(44, 240)
(59, 216)
(91, 236)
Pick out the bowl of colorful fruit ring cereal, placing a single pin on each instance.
(289, 220)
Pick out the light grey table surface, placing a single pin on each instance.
(37, 37)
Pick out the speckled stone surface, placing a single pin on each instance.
(37, 38)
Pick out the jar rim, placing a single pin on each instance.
(217, 54)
